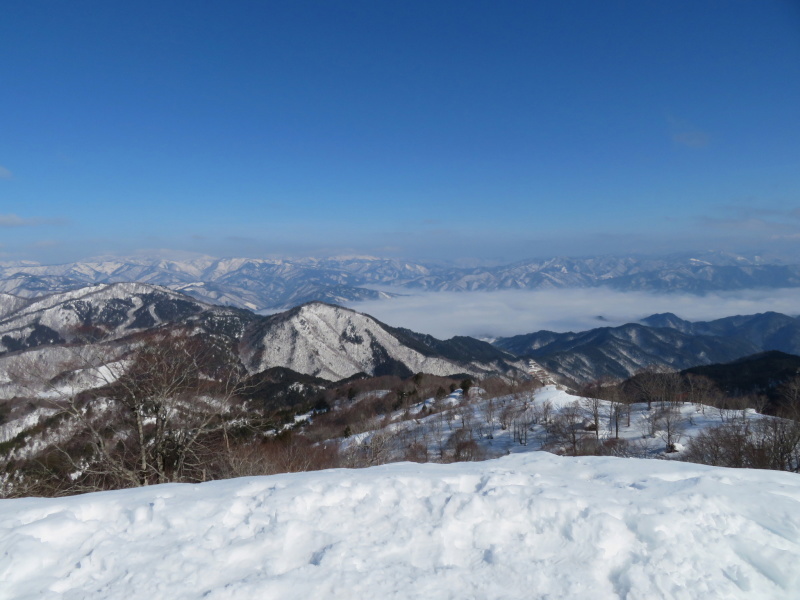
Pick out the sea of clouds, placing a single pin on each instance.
(513, 312)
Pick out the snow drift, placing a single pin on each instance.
(524, 526)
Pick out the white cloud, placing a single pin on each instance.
(506, 313)
(5, 173)
(685, 133)
(692, 139)
(12, 220)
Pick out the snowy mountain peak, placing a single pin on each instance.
(332, 342)
(116, 309)
(258, 283)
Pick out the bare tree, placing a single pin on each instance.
(700, 391)
(790, 394)
(507, 414)
(656, 384)
(488, 415)
(566, 427)
(151, 415)
(375, 449)
(542, 412)
(617, 408)
(467, 415)
(437, 424)
(520, 429)
(593, 407)
(673, 424)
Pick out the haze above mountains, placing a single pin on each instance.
(555, 294)
(269, 284)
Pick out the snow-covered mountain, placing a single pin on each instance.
(524, 526)
(333, 343)
(316, 339)
(10, 303)
(659, 340)
(103, 311)
(768, 331)
(259, 284)
(61, 345)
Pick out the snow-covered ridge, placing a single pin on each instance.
(527, 526)
(100, 292)
(333, 343)
(318, 339)
(56, 317)
(286, 282)
(318, 342)
(10, 303)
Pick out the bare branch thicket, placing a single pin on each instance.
(789, 393)
(700, 391)
(465, 448)
(375, 449)
(566, 428)
(286, 453)
(656, 384)
(152, 413)
(764, 443)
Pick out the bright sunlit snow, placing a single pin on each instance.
(524, 526)
(481, 419)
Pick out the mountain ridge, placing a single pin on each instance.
(316, 338)
(268, 284)
(663, 340)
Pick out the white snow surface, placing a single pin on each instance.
(524, 526)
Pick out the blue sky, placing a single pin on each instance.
(495, 130)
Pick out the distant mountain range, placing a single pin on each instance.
(267, 284)
(332, 343)
(317, 339)
(46, 343)
(658, 340)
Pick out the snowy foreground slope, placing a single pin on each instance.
(524, 526)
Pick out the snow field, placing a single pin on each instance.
(527, 526)
(435, 431)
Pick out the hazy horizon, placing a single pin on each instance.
(788, 256)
